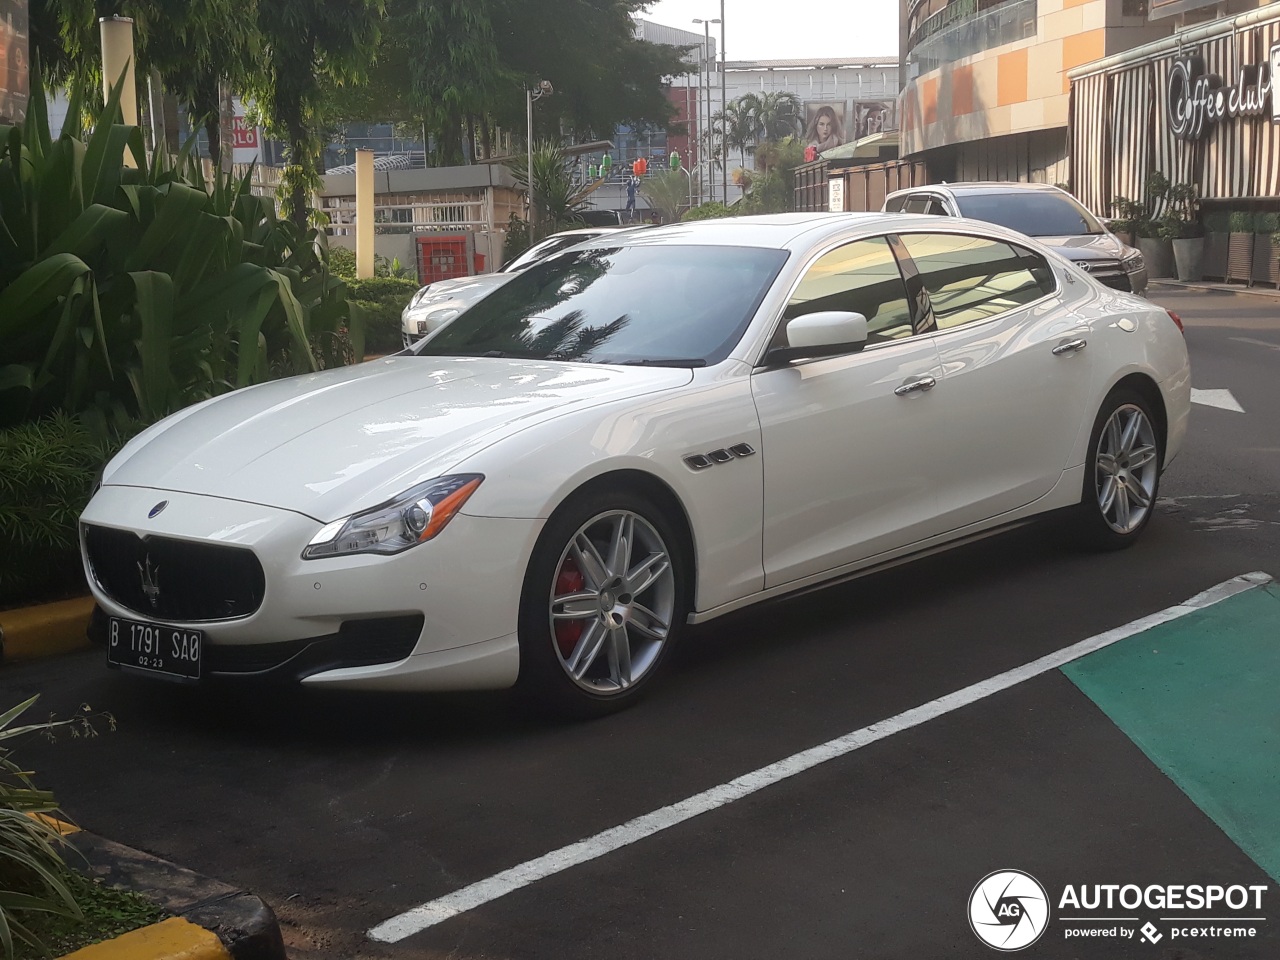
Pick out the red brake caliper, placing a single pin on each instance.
(569, 632)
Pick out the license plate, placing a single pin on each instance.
(155, 648)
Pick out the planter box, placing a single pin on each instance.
(1158, 255)
(1188, 254)
(1216, 250)
(1266, 259)
(1240, 257)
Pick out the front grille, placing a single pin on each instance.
(168, 579)
(407, 340)
(1109, 273)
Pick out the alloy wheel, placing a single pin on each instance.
(612, 602)
(1126, 469)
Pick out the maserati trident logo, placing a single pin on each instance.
(155, 511)
(150, 581)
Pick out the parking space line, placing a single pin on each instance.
(477, 894)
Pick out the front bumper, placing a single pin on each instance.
(460, 592)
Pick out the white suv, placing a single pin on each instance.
(1048, 213)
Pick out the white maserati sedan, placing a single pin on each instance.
(646, 431)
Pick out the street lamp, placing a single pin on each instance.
(706, 48)
(542, 89)
(724, 108)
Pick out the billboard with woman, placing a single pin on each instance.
(824, 124)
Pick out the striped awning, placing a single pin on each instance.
(1120, 131)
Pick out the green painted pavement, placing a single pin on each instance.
(1201, 697)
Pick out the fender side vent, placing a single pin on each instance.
(742, 449)
(698, 462)
(720, 456)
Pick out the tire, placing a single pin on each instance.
(1122, 472)
(633, 610)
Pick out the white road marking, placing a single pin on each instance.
(1257, 343)
(1216, 398)
(484, 891)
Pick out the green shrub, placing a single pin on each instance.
(1267, 223)
(35, 881)
(1241, 221)
(381, 300)
(144, 289)
(47, 471)
(518, 238)
(342, 262)
(708, 211)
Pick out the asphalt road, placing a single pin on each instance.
(345, 810)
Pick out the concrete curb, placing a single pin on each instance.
(1221, 288)
(212, 920)
(46, 629)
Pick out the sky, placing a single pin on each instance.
(759, 30)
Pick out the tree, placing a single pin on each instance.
(305, 44)
(667, 192)
(459, 68)
(775, 114)
(736, 126)
(556, 199)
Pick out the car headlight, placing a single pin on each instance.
(1133, 263)
(419, 296)
(412, 518)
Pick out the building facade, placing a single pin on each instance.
(1199, 106)
(989, 87)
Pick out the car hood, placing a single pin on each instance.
(468, 289)
(331, 443)
(1103, 246)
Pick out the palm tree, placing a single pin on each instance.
(775, 114)
(736, 125)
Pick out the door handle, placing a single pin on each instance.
(917, 385)
(1069, 346)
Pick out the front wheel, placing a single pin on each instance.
(1122, 473)
(604, 601)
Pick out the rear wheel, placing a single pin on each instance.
(1122, 473)
(603, 603)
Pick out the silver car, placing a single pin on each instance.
(1048, 213)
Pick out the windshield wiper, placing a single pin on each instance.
(659, 362)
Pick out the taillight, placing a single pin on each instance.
(1178, 320)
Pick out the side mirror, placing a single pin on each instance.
(823, 334)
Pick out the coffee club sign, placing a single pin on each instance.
(1198, 101)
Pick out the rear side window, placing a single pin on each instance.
(972, 278)
(936, 208)
(918, 204)
(861, 277)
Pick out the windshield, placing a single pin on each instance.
(662, 305)
(545, 249)
(1035, 213)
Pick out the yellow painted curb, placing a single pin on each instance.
(64, 829)
(172, 939)
(46, 629)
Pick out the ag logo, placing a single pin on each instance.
(1008, 910)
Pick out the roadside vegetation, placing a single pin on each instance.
(46, 907)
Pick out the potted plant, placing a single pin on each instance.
(1266, 253)
(1181, 224)
(1217, 242)
(1129, 215)
(1240, 250)
(1152, 241)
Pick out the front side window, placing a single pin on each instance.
(663, 305)
(860, 277)
(972, 278)
(895, 204)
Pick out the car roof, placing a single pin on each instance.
(775, 231)
(979, 188)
